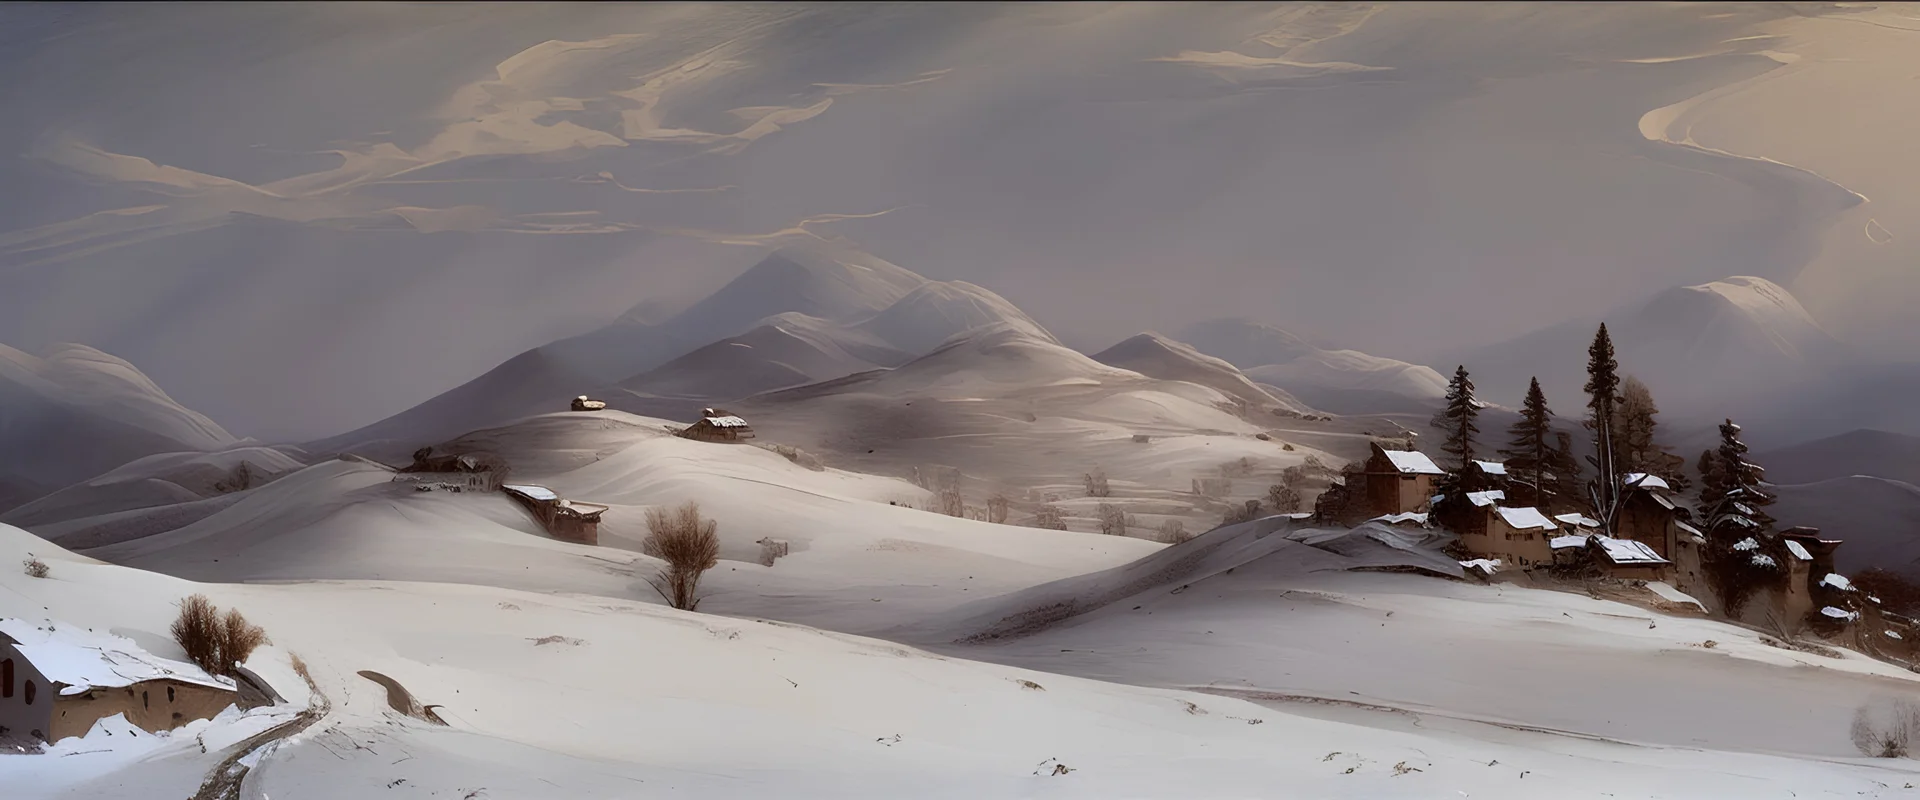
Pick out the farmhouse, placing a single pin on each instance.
(583, 403)
(1648, 514)
(57, 680)
(716, 425)
(1516, 536)
(1625, 559)
(564, 519)
(1399, 481)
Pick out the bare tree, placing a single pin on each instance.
(1097, 484)
(689, 544)
(35, 567)
(997, 506)
(1886, 729)
(949, 502)
(216, 643)
(1049, 518)
(1113, 521)
(1283, 498)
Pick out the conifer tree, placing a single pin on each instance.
(1709, 469)
(1530, 452)
(1456, 420)
(1564, 476)
(1742, 553)
(1603, 393)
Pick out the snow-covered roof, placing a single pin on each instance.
(1839, 613)
(1628, 551)
(530, 490)
(82, 659)
(1490, 565)
(1412, 462)
(1492, 467)
(1894, 635)
(728, 421)
(1837, 581)
(586, 509)
(1645, 481)
(1746, 544)
(1564, 542)
(1396, 519)
(1298, 515)
(1764, 560)
(1578, 520)
(1682, 525)
(1526, 518)
(1486, 498)
(1798, 551)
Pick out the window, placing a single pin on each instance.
(6, 678)
(169, 694)
(31, 690)
(144, 701)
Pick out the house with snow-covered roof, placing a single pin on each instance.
(717, 425)
(1399, 481)
(568, 520)
(1518, 537)
(57, 680)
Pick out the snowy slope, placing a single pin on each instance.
(156, 480)
(789, 351)
(636, 700)
(1156, 356)
(529, 383)
(940, 310)
(1347, 381)
(78, 412)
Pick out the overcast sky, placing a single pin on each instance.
(302, 218)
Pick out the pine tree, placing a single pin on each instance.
(1633, 426)
(1603, 393)
(1457, 422)
(1530, 453)
(1709, 469)
(1742, 553)
(1564, 476)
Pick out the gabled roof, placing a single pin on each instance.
(1486, 498)
(1526, 518)
(1564, 542)
(728, 421)
(532, 491)
(1406, 516)
(82, 659)
(1628, 551)
(1578, 520)
(1837, 581)
(1492, 467)
(1644, 481)
(1799, 552)
(1412, 462)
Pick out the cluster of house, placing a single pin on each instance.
(1651, 540)
(58, 681)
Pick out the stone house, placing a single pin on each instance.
(1518, 537)
(716, 425)
(56, 681)
(567, 520)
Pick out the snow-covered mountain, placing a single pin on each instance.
(1338, 380)
(1156, 356)
(939, 310)
(1738, 347)
(800, 315)
(77, 412)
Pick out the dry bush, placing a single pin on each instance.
(1283, 498)
(1113, 521)
(1097, 484)
(1050, 518)
(689, 544)
(950, 503)
(997, 507)
(1173, 531)
(1886, 729)
(35, 567)
(1294, 475)
(214, 642)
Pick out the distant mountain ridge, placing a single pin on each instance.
(1346, 381)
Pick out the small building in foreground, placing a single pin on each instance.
(716, 425)
(57, 680)
(567, 520)
(584, 403)
(1518, 537)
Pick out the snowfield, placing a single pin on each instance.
(578, 696)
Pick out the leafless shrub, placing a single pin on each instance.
(1886, 729)
(35, 567)
(1050, 518)
(1213, 488)
(949, 502)
(1113, 521)
(1097, 484)
(997, 507)
(689, 544)
(1283, 498)
(214, 642)
(1173, 531)
(1246, 513)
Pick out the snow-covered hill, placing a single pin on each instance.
(1346, 381)
(1156, 356)
(789, 351)
(158, 480)
(529, 383)
(77, 412)
(939, 310)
